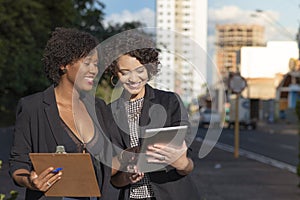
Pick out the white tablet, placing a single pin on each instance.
(171, 136)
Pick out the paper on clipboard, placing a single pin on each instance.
(78, 178)
(172, 136)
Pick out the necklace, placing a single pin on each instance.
(135, 115)
(134, 109)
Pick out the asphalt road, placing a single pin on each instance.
(281, 147)
(219, 176)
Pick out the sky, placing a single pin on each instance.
(280, 17)
(280, 14)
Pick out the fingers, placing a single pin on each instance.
(45, 180)
(136, 177)
(156, 157)
(160, 153)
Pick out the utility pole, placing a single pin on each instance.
(237, 84)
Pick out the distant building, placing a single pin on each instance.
(288, 91)
(182, 36)
(287, 94)
(230, 38)
(264, 67)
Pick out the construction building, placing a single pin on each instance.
(230, 38)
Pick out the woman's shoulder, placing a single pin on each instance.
(35, 100)
(165, 95)
(32, 99)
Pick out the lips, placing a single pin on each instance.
(134, 86)
(90, 79)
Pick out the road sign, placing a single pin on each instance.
(237, 83)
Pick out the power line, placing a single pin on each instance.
(273, 22)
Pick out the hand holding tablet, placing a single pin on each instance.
(165, 139)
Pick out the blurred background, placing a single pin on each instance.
(217, 47)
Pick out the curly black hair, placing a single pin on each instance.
(66, 45)
(135, 44)
(146, 56)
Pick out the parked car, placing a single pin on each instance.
(244, 118)
(195, 119)
(209, 116)
(205, 117)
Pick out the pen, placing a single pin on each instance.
(57, 170)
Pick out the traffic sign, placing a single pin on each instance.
(237, 83)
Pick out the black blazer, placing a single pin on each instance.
(160, 109)
(38, 129)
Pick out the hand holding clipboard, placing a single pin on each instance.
(78, 175)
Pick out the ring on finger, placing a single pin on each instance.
(162, 158)
(49, 184)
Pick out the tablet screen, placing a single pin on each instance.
(171, 136)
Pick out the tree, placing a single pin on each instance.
(20, 45)
(25, 27)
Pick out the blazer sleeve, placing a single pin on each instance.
(179, 116)
(19, 156)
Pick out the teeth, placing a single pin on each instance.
(134, 84)
(89, 79)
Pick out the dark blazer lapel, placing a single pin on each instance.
(52, 114)
(149, 95)
(120, 117)
(153, 114)
(145, 113)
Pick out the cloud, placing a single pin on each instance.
(268, 18)
(146, 16)
(234, 15)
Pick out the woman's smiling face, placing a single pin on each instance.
(133, 76)
(83, 72)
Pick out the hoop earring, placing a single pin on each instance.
(62, 71)
(112, 80)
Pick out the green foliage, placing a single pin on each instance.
(25, 27)
(13, 194)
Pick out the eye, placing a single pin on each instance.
(140, 70)
(124, 73)
(86, 63)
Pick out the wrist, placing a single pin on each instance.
(184, 164)
(187, 168)
(27, 182)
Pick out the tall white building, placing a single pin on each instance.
(182, 37)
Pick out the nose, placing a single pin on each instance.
(133, 77)
(93, 69)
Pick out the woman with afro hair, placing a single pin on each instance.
(61, 115)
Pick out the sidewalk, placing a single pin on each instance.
(220, 176)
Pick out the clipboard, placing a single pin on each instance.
(172, 136)
(78, 178)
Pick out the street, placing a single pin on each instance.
(280, 147)
(219, 175)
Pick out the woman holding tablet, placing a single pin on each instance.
(141, 107)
